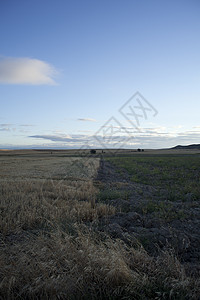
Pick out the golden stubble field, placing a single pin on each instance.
(49, 245)
(38, 167)
(42, 188)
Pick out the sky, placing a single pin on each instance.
(99, 74)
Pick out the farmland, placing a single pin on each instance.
(179, 174)
(77, 226)
(165, 191)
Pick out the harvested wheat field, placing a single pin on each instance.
(62, 234)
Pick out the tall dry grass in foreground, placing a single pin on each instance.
(49, 250)
(35, 205)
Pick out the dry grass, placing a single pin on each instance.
(49, 250)
(46, 167)
(35, 205)
(63, 266)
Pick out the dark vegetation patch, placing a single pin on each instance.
(157, 201)
(179, 175)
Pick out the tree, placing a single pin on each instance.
(93, 151)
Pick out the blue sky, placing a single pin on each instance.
(67, 67)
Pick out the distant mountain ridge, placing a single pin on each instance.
(193, 146)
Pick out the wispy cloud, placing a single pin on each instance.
(61, 138)
(87, 131)
(26, 71)
(6, 125)
(4, 129)
(87, 120)
(26, 125)
(145, 140)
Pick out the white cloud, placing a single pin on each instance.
(87, 120)
(55, 138)
(26, 71)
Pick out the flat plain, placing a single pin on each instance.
(81, 226)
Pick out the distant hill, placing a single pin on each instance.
(193, 146)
